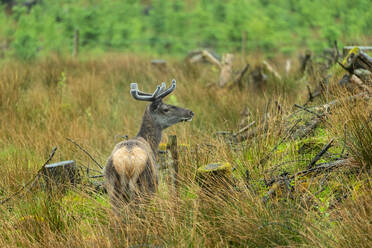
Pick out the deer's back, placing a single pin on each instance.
(130, 159)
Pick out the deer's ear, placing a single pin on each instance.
(155, 105)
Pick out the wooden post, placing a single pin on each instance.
(244, 45)
(76, 43)
(172, 147)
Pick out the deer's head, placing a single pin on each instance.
(163, 115)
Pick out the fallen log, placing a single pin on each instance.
(203, 56)
(270, 69)
(347, 49)
(322, 167)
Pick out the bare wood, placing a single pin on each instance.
(271, 70)
(211, 58)
(226, 69)
(356, 80)
(288, 66)
(244, 129)
(336, 102)
(203, 56)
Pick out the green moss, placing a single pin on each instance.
(355, 50)
(214, 167)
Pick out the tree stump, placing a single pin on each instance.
(215, 178)
(61, 174)
(226, 69)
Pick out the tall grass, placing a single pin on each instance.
(88, 100)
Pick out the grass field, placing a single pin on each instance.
(44, 102)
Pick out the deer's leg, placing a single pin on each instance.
(115, 190)
(147, 182)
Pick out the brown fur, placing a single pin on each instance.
(131, 172)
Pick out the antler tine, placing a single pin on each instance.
(156, 92)
(139, 95)
(168, 91)
(162, 87)
(134, 87)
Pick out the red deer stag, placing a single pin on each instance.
(131, 170)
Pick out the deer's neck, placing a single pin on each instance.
(150, 132)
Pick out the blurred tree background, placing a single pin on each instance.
(31, 28)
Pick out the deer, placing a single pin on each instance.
(131, 171)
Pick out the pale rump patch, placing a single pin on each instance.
(130, 163)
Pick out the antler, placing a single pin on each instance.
(159, 93)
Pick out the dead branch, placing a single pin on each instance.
(356, 80)
(33, 180)
(244, 129)
(285, 179)
(320, 154)
(336, 102)
(270, 69)
(308, 110)
(211, 58)
(87, 153)
(239, 77)
(322, 167)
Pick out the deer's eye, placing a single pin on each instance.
(166, 110)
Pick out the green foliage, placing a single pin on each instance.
(176, 26)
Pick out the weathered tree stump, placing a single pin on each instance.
(61, 174)
(215, 178)
(226, 69)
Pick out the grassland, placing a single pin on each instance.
(88, 100)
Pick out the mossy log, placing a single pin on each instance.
(347, 49)
(215, 177)
(357, 59)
